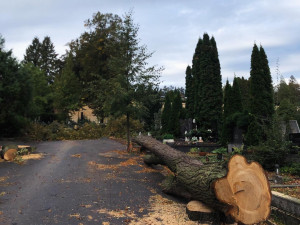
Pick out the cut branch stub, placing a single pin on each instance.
(246, 190)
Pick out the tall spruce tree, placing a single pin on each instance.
(196, 76)
(189, 92)
(208, 85)
(261, 103)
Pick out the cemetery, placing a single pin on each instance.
(229, 149)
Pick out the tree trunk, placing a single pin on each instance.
(239, 189)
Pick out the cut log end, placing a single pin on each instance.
(10, 154)
(246, 190)
(197, 211)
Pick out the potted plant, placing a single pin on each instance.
(194, 150)
(168, 138)
(202, 153)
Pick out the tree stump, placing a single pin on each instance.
(238, 189)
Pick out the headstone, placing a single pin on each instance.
(237, 136)
(237, 140)
(185, 125)
(294, 128)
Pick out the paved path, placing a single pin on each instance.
(77, 182)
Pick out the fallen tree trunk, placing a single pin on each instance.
(239, 189)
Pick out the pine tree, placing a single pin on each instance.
(189, 92)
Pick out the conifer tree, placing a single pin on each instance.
(33, 53)
(176, 112)
(196, 77)
(166, 114)
(236, 99)
(244, 85)
(261, 102)
(189, 92)
(49, 61)
(208, 85)
(226, 131)
(43, 55)
(268, 86)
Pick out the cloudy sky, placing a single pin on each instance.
(171, 29)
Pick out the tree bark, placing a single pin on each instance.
(239, 189)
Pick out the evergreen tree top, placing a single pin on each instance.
(206, 40)
(213, 42)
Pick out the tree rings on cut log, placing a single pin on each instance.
(10, 154)
(197, 211)
(246, 190)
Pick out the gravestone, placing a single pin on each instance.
(237, 140)
(185, 125)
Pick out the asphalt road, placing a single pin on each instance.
(77, 182)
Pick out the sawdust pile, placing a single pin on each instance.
(117, 213)
(33, 156)
(129, 162)
(164, 211)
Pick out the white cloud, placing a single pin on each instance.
(170, 28)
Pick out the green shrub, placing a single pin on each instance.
(58, 131)
(268, 155)
(294, 169)
(220, 151)
(168, 136)
(194, 150)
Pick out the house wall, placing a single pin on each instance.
(87, 113)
